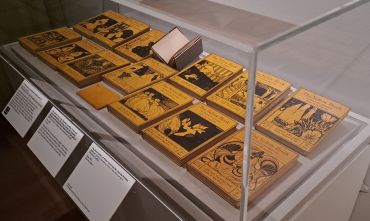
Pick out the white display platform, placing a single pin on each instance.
(340, 147)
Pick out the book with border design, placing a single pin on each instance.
(206, 75)
(89, 70)
(120, 33)
(140, 47)
(98, 23)
(220, 167)
(48, 39)
(303, 120)
(189, 132)
(232, 97)
(69, 52)
(149, 105)
(138, 75)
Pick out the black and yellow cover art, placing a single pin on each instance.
(205, 75)
(303, 120)
(145, 106)
(140, 47)
(69, 52)
(121, 32)
(88, 70)
(221, 166)
(233, 96)
(49, 39)
(98, 23)
(138, 75)
(188, 132)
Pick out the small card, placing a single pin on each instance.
(24, 107)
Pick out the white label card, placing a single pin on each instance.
(98, 184)
(24, 107)
(54, 141)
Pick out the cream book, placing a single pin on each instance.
(149, 105)
(220, 167)
(189, 132)
(48, 39)
(303, 120)
(232, 97)
(69, 52)
(206, 75)
(138, 75)
(89, 70)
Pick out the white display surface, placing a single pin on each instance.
(98, 184)
(24, 107)
(54, 141)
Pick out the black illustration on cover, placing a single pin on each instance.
(236, 93)
(47, 38)
(188, 129)
(144, 50)
(303, 120)
(140, 73)
(227, 160)
(98, 23)
(149, 104)
(205, 74)
(117, 33)
(67, 53)
(91, 65)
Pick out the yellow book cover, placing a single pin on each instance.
(121, 32)
(233, 96)
(98, 23)
(139, 48)
(206, 75)
(138, 75)
(88, 70)
(303, 120)
(189, 132)
(98, 95)
(220, 167)
(49, 39)
(69, 52)
(144, 107)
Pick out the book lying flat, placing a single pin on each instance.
(149, 105)
(303, 120)
(138, 75)
(98, 23)
(220, 167)
(189, 132)
(140, 47)
(68, 52)
(206, 75)
(232, 97)
(88, 70)
(121, 32)
(98, 95)
(48, 39)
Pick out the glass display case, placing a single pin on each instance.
(301, 52)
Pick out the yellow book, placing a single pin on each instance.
(98, 95)
(121, 32)
(303, 120)
(189, 132)
(220, 167)
(149, 105)
(69, 52)
(48, 39)
(206, 75)
(88, 70)
(139, 48)
(138, 75)
(98, 23)
(233, 96)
